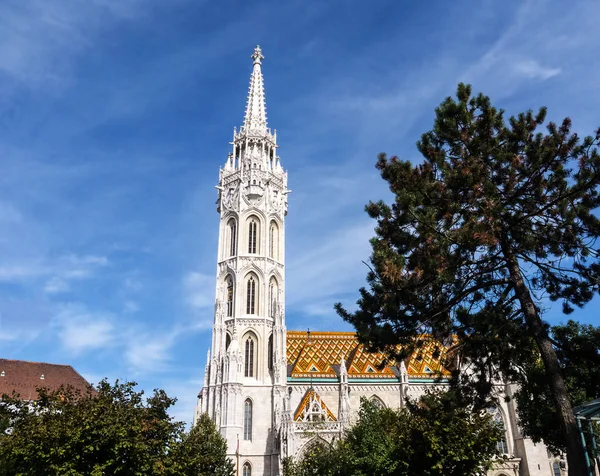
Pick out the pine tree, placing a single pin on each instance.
(496, 219)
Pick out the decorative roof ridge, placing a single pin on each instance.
(325, 333)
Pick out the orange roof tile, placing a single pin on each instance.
(320, 355)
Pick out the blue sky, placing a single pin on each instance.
(115, 116)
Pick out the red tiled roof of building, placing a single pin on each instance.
(25, 377)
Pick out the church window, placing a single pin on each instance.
(377, 402)
(229, 296)
(227, 341)
(232, 226)
(249, 357)
(556, 469)
(253, 235)
(247, 471)
(502, 445)
(273, 241)
(273, 291)
(247, 425)
(270, 352)
(251, 295)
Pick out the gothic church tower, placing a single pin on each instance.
(244, 387)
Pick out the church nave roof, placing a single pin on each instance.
(318, 355)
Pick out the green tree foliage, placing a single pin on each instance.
(109, 430)
(497, 217)
(438, 435)
(578, 350)
(203, 451)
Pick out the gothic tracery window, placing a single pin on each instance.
(273, 291)
(253, 235)
(249, 356)
(229, 282)
(270, 352)
(377, 402)
(247, 425)
(273, 240)
(247, 470)
(251, 295)
(502, 445)
(232, 227)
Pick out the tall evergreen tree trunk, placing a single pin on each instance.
(558, 388)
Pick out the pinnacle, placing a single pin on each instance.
(255, 119)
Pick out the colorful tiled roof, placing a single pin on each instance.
(25, 377)
(319, 355)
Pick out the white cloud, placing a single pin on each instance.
(19, 272)
(56, 285)
(331, 265)
(145, 353)
(199, 289)
(81, 330)
(533, 70)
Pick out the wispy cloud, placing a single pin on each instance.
(56, 285)
(149, 353)
(533, 70)
(199, 289)
(81, 330)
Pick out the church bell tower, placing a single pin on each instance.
(245, 378)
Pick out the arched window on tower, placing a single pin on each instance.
(247, 423)
(247, 470)
(249, 345)
(227, 341)
(497, 417)
(229, 282)
(253, 231)
(232, 230)
(251, 300)
(273, 240)
(273, 291)
(270, 352)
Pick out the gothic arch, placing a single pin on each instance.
(247, 469)
(376, 401)
(272, 296)
(274, 240)
(255, 211)
(232, 232)
(253, 226)
(229, 297)
(274, 272)
(499, 417)
(275, 217)
(312, 444)
(250, 348)
(252, 268)
(270, 352)
(252, 285)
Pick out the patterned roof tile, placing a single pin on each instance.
(319, 353)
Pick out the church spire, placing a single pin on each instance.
(255, 119)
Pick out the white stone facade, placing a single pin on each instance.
(255, 390)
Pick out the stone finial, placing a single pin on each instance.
(257, 56)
